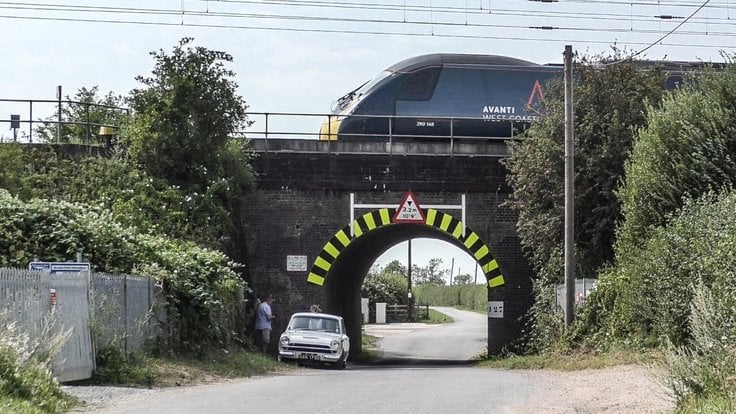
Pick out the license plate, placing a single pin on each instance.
(310, 355)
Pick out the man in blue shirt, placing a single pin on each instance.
(264, 316)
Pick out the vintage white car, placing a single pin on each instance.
(315, 338)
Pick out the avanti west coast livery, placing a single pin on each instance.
(442, 96)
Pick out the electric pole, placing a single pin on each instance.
(569, 192)
(409, 295)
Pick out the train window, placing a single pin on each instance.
(458, 92)
(418, 85)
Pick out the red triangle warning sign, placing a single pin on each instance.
(409, 210)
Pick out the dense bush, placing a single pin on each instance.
(610, 105)
(687, 149)
(385, 287)
(647, 296)
(135, 199)
(195, 279)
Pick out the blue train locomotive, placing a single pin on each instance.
(442, 96)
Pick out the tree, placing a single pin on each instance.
(686, 150)
(83, 115)
(462, 279)
(386, 285)
(684, 157)
(184, 117)
(181, 130)
(610, 106)
(430, 273)
(395, 267)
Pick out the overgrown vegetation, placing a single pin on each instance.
(386, 285)
(162, 371)
(666, 272)
(85, 113)
(571, 361)
(196, 280)
(701, 374)
(610, 105)
(162, 201)
(26, 382)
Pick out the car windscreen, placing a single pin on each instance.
(315, 323)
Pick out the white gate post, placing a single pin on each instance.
(380, 313)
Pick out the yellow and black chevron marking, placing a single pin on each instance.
(379, 218)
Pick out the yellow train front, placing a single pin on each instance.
(442, 96)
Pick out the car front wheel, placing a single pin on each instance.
(341, 364)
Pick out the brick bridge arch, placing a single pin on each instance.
(299, 211)
(341, 266)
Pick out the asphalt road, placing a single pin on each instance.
(421, 377)
(359, 389)
(419, 381)
(462, 340)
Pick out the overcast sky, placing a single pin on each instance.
(300, 56)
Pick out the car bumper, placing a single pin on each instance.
(310, 356)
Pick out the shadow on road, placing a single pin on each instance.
(409, 362)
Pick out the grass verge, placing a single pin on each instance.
(165, 372)
(370, 349)
(573, 361)
(433, 317)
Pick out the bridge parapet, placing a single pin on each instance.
(453, 148)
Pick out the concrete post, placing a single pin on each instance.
(380, 313)
(364, 310)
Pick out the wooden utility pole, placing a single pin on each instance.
(409, 295)
(58, 119)
(569, 192)
(452, 270)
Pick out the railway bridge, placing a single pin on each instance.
(305, 244)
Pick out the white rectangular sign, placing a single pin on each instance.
(59, 267)
(296, 263)
(495, 309)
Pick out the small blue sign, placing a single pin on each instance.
(59, 267)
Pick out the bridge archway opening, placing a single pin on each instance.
(347, 257)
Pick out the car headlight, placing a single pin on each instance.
(335, 345)
(284, 340)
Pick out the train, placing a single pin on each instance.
(442, 95)
(456, 96)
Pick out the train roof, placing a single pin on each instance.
(439, 59)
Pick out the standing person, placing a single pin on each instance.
(264, 316)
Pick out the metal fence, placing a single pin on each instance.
(93, 123)
(95, 309)
(122, 310)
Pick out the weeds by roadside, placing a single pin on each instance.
(27, 384)
(436, 318)
(573, 361)
(150, 371)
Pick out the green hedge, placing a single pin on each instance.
(196, 280)
(648, 295)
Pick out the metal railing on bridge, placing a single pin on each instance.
(95, 123)
(285, 125)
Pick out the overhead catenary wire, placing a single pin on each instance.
(304, 18)
(661, 38)
(436, 10)
(205, 16)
